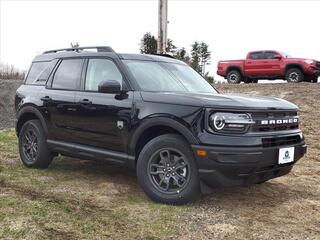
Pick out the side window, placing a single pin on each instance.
(270, 55)
(257, 55)
(100, 70)
(68, 74)
(36, 70)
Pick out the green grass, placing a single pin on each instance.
(75, 199)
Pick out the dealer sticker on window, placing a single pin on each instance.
(286, 155)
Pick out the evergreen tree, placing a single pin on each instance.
(195, 57)
(182, 55)
(148, 44)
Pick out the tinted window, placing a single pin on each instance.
(46, 72)
(257, 55)
(270, 55)
(36, 70)
(68, 74)
(101, 70)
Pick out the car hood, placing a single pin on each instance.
(218, 100)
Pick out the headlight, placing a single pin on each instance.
(308, 61)
(230, 122)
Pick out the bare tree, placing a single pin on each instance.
(10, 72)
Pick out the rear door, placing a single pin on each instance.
(59, 99)
(103, 119)
(272, 64)
(255, 64)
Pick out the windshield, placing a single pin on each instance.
(167, 77)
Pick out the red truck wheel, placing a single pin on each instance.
(294, 75)
(234, 77)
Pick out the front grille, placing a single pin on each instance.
(281, 141)
(276, 121)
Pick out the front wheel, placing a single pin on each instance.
(294, 75)
(167, 171)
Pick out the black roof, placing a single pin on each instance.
(101, 51)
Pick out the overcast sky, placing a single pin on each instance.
(231, 28)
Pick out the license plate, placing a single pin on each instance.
(286, 155)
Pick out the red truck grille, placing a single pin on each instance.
(275, 121)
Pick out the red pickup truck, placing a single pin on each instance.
(269, 65)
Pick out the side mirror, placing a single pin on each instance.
(278, 56)
(110, 86)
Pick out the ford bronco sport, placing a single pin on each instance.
(154, 114)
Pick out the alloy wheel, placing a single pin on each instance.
(233, 77)
(294, 77)
(30, 145)
(169, 170)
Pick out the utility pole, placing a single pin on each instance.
(162, 26)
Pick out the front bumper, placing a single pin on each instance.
(242, 166)
(312, 71)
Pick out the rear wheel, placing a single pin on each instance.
(33, 148)
(167, 171)
(234, 77)
(294, 75)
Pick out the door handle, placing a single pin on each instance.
(85, 101)
(46, 99)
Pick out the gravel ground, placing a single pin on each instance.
(7, 91)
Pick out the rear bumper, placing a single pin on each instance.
(221, 72)
(226, 166)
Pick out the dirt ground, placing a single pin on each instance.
(77, 199)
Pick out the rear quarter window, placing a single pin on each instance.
(39, 72)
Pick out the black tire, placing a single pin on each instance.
(247, 80)
(294, 75)
(254, 80)
(33, 148)
(170, 145)
(234, 77)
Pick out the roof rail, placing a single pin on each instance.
(164, 55)
(77, 49)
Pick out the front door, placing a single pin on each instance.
(272, 64)
(103, 119)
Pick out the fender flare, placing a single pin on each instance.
(293, 65)
(161, 121)
(33, 110)
(234, 67)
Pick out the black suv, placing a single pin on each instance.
(154, 114)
